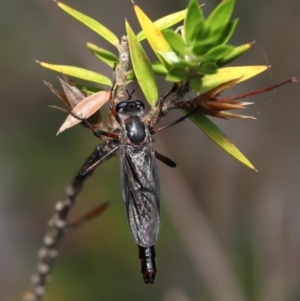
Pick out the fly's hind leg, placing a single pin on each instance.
(165, 159)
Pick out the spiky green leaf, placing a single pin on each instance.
(78, 72)
(229, 73)
(156, 39)
(214, 133)
(193, 23)
(142, 67)
(101, 30)
(104, 55)
(216, 53)
(165, 22)
(158, 69)
(175, 40)
(226, 32)
(220, 16)
(234, 54)
(202, 46)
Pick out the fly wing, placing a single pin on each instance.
(141, 192)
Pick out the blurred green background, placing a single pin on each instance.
(228, 233)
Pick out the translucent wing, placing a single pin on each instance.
(141, 192)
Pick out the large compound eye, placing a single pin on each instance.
(121, 105)
(139, 105)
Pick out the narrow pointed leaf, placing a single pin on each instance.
(202, 46)
(227, 32)
(88, 88)
(193, 22)
(104, 55)
(175, 40)
(78, 73)
(216, 53)
(155, 38)
(229, 73)
(142, 67)
(91, 23)
(165, 22)
(214, 133)
(158, 69)
(168, 58)
(220, 15)
(234, 54)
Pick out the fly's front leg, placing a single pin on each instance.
(163, 106)
(97, 132)
(94, 161)
(174, 122)
(99, 155)
(96, 155)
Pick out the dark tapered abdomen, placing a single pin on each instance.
(148, 265)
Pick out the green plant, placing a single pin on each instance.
(191, 58)
(192, 54)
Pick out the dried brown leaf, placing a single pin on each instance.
(85, 108)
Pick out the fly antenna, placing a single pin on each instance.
(130, 94)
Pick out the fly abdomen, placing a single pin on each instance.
(148, 264)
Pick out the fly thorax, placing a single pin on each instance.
(135, 129)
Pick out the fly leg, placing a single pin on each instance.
(97, 132)
(99, 155)
(161, 157)
(174, 122)
(94, 157)
(95, 160)
(96, 154)
(165, 159)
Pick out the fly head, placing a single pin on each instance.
(130, 107)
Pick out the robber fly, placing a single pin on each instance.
(139, 176)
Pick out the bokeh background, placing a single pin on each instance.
(228, 233)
